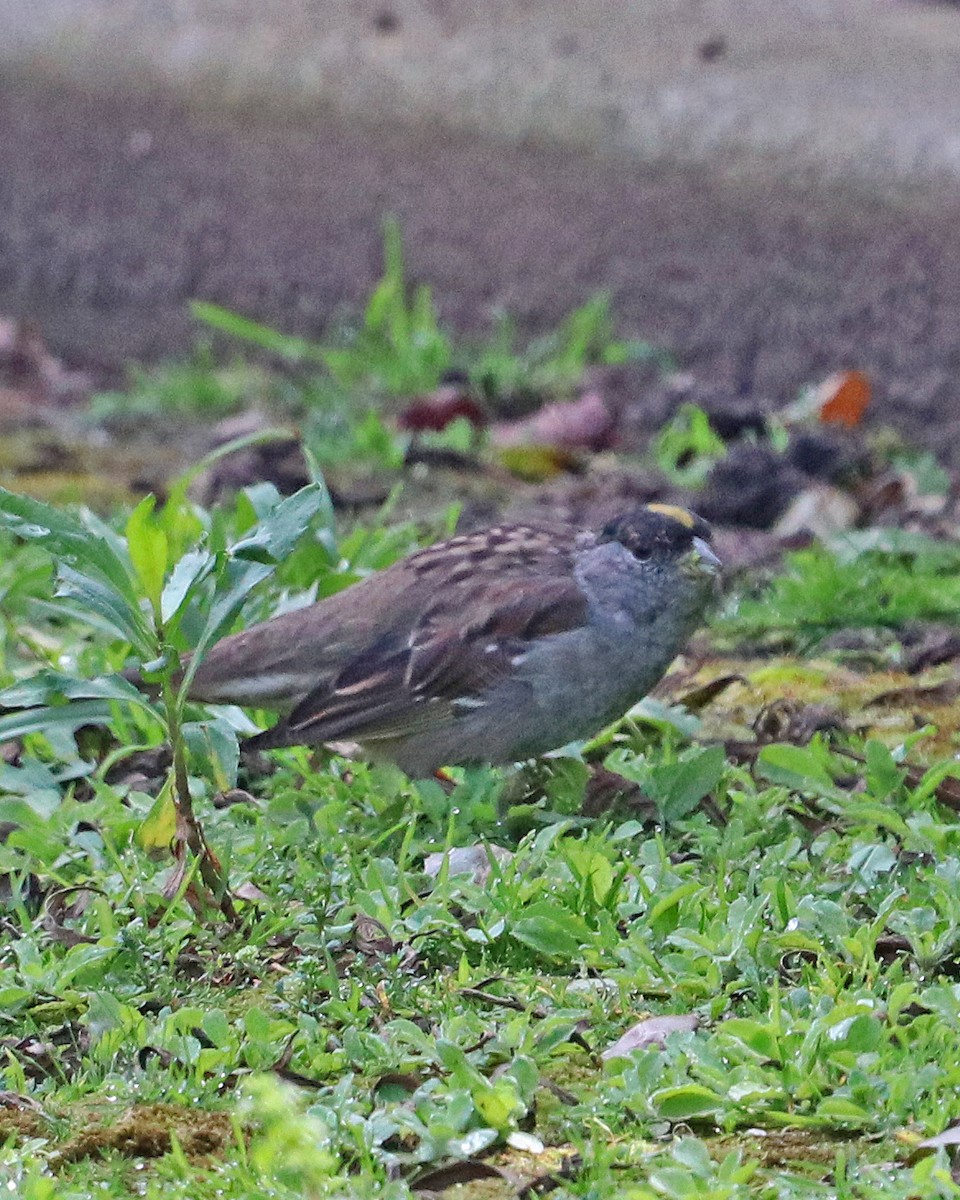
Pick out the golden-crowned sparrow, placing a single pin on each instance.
(492, 647)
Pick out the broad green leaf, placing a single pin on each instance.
(551, 930)
(52, 702)
(156, 830)
(30, 778)
(592, 866)
(217, 1027)
(664, 914)
(680, 786)
(214, 747)
(689, 1100)
(278, 533)
(65, 716)
(798, 768)
(148, 548)
(239, 578)
(862, 1034)
(66, 537)
(282, 344)
(47, 687)
(192, 569)
(111, 607)
(884, 777)
(499, 1105)
(761, 1039)
(839, 1109)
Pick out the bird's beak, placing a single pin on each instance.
(706, 556)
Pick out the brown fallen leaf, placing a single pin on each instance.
(936, 694)
(789, 721)
(250, 892)
(56, 911)
(698, 698)
(937, 645)
(468, 1170)
(370, 936)
(31, 378)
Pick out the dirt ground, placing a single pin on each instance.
(117, 209)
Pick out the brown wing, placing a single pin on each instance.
(500, 591)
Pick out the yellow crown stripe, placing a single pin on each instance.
(671, 510)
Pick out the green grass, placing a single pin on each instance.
(198, 388)
(866, 579)
(399, 348)
(806, 911)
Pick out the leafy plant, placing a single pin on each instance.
(687, 447)
(556, 362)
(161, 579)
(400, 348)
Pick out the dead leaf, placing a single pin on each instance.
(937, 645)
(56, 911)
(31, 378)
(584, 424)
(949, 1137)
(653, 1031)
(250, 892)
(536, 463)
(842, 399)
(822, 511)
(788, 721)
(889, 946)
(441, 408)
(371, 937)
(605, 789)
(468, 1170)
(234, 796)
(698, 698)
(934, 694)
(468, 860)
(23, 1103)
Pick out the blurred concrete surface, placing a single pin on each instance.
(848, 88)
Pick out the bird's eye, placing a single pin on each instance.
(642, 554)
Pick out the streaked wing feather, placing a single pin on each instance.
(409, 681)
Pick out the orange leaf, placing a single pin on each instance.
(843, 398)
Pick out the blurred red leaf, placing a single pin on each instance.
(433, 413)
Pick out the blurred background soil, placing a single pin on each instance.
(121, 199)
